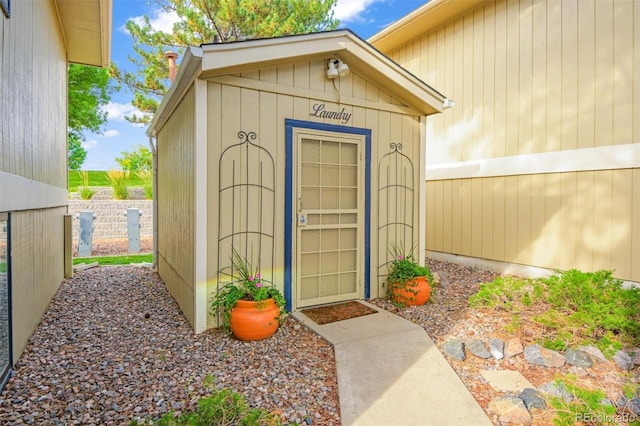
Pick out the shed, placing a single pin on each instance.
(312, 178)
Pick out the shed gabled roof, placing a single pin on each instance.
(218, 59)
(235, 57)
(428, 16)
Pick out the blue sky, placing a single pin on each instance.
(364, 17)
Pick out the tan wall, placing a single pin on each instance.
(33, 91)
(36, 268)
(530, 77)
(33, 80)
(175, 144)
(261, 101)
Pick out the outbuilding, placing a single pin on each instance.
(305, 154)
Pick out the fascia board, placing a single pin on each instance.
(221, 59)
(187, 73)
(423, 19)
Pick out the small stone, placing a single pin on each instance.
(623, 360)
(636, 359)
(443, 278)
(510, 410)
(633, 406)
(595, 353)
(454, 349)
(513, 347)
(477, 348)
(532, 399)
(558, 390)
(578, 358)
(496, 347)
(538, 355)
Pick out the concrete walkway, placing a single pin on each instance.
(391, 373)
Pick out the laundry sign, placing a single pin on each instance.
(320, 111)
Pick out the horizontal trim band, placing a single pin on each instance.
(19, 193)
(576, 160)
(500, 267)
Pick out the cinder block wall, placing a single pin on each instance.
(110, 222)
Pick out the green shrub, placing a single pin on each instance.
(592, 307)
(147, 178)
(86, 193)
(579, 307)
(223, 407)
(587, 406)
(507, 293)
(118, 181)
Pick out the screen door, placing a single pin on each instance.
(329, 219)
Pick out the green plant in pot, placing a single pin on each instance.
(408, 282)
(252, 307)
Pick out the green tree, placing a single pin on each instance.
(76, 153)
(138, 160)
(89, 89)
(202, 20)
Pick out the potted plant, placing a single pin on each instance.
(252, 307)
(408, 283)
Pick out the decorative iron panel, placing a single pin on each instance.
(395, 205)
(247, 207)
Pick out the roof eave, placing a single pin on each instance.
(230, 58)
(189, 70)
(426, 17)
(86, 28)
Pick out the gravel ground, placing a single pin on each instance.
(97, 359)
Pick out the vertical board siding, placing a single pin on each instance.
(33, 145)
(33, 88)
(534, 76)
(176, 214)
(37, 269)
(545, 72)
(579, 220)
(232, 109)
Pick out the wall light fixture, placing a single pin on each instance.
(337, 68)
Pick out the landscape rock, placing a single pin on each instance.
(513, 347)
(531, 399)
(436, 278)
(496, 347)
(636, 359)
(477, 348)
(578, 358)
(631, 406)
(595, 353)
(454, 349)
(510, 410)
(536, 354)
(558, 390)
(623, 360)
(506, 380)
(443, 277)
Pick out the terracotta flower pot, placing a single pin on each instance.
(414, 293)
(252, 320)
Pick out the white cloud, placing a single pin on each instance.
(351, 10)
(111, 133)
(159, 19)
(116, 111)
(89, 144)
